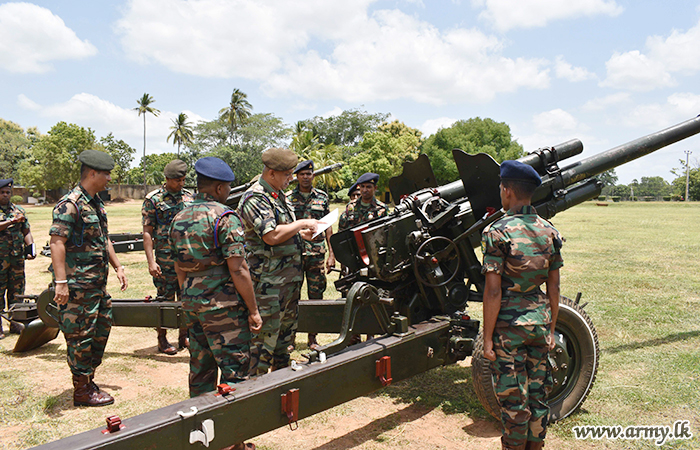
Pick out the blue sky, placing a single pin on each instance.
(603, 71)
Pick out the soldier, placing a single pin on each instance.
(353, 194)
(15, 237)
(521, 252)
(80, 251)
(273, 247)
(207, 242)
(366, 207)
(159, 208)
(311, 203)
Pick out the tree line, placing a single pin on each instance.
(365, 142)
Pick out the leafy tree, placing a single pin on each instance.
(54, 161)
(678, 184)
(345, 129)
(14, 147)
(306, 145)
(122, 153)
(651, 187)
(236, 113)
(144, 108)
(619, 190)
(474, 135)
(153, 166)
(182, 133)
(260, 132)
(385, 150)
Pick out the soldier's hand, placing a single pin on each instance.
(255, 321)
(154, 270)
(18, 219)
(330, 263)
(551, 342)
(61, 294)
(121, 276)
(488, 350)
(311, 224)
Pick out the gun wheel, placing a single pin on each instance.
(576, 357)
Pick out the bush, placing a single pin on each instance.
(341, 195)
(16, 199)
(602, 198)
(615, 198)
(667, 198)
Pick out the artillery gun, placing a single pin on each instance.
(416, 269)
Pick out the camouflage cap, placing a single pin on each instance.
(97, 160)
(175, 169)
(280, 159)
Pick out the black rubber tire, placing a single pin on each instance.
(582, 342)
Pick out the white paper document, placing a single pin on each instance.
(326, 222)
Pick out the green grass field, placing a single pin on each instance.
(636, 264)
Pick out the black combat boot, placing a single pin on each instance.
(313, 343)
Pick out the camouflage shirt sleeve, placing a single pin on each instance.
(258, 212)
(24, 227)
(557, 261)
(64, 219)
(231, 236)
(495, 251)
(148, 213)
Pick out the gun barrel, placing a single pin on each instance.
(630, 151)
(544, 157)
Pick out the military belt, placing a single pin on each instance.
(214, 270)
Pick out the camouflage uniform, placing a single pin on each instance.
(202, 237)
(159, 208)
(312, 206)
(86, 319)
(12, 254)
(358, 212)
(275, 270)
(523, 248)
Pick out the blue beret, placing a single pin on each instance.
(515, 170)
(214, 168)
(6, 182)
(354, 187)
(305, 165)
(367, 178)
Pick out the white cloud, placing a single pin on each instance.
(509, 14)
(563, 69)
(656, 116)
(104, 117)
(333, 112)
(31, 37)
(637, 72)
(325, 50)
(431, 126)
(603, 103)
(551, 128)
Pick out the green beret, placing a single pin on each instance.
(97, 160)
(175, 169)
(280, 159)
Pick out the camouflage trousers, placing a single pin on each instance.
(522, 381)
(279, 308)
(313, 266)
(85, 322)
(11, 280)
(218, 338)
(166, 284)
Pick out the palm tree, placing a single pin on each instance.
(306, 145)
(182, 133)
(143, 108)
(236, 112)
